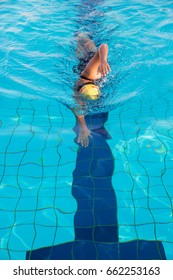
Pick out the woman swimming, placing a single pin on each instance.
(92, 67)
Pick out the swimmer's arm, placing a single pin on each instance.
(103, 67)
(103, 52)
(98, 64)
(84, 132)
(80, 118)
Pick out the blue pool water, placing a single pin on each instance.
(116, 195)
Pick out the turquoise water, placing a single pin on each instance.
(37, 150)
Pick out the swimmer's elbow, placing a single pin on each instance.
(103, 49)
(104, 45)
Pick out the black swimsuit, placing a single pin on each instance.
(91, 82)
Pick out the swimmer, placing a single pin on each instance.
(92, 67)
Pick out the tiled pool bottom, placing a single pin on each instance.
(38, 207)
(91, 250)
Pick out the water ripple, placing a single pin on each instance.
(37, 49)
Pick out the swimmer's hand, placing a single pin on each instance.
(104, 68)
(83, 137)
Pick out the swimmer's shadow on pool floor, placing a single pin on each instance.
(88, 250)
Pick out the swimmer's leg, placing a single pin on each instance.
(85, 45)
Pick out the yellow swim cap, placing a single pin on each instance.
(90, 91)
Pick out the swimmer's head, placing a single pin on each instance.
(90, 91)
